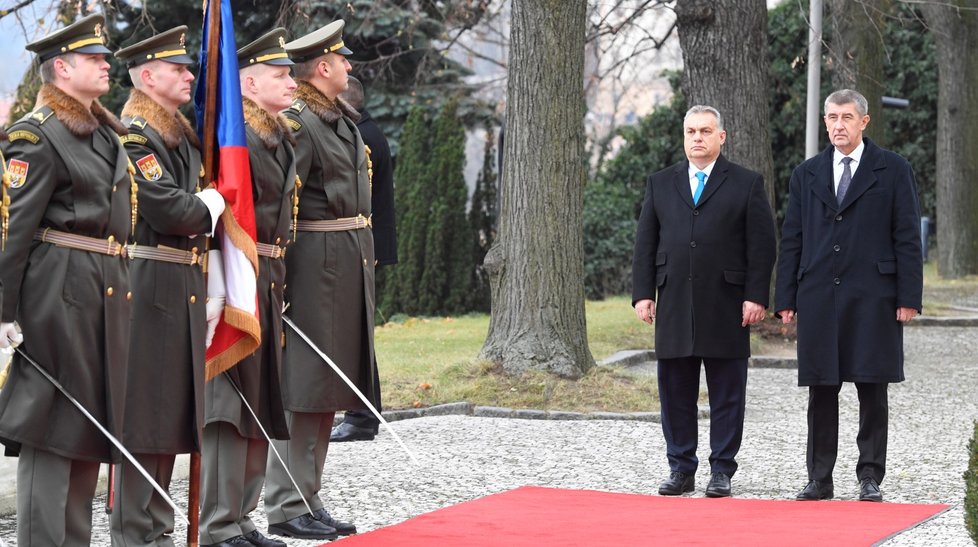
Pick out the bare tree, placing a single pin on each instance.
(724, 45)
(536, 266)
(954, 24)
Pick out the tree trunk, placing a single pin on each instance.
(724, 45)
(857, 54)
(956, 34)
(536, 266)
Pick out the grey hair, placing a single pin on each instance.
(46, 70)
(699, 109)
(847, 96)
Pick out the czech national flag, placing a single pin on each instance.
(218, 98)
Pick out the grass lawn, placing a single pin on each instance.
(430, 361)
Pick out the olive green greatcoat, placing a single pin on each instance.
(272, 160)
(330, 275)
(165, 389)
(71, 304)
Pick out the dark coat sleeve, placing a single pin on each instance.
(789, 261)
(906, 239)
(646, 242)
(761, 245)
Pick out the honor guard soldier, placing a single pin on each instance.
(65, 279)
(165, 388)
(330, 283)
(235, 449)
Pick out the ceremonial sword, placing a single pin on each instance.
(115, 442)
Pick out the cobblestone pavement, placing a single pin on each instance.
(465, 457)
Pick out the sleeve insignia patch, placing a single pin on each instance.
(149, 167)
(295, 125)
(17, 170)
(24, 135)
(133, 137)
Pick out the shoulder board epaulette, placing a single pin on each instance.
(41, 115)
(298, 105)
(23, 135)
(294, 124)
(137, 121)
(133, 137)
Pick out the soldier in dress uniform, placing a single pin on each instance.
(235, 449)
(330, 282)
(165, 388)
(66, 283)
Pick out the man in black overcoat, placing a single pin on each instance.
(851, 269)
(704, 251)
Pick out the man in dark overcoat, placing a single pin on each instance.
(851, 269)
(66, 283)
(329, 283)
(165, 388)
(235, 449)
(362, 425)
(704, 251)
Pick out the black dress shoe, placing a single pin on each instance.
(255, 538)
(236, 541)
(678, 483)
(869, 490)
(342, 528)
(305, 527)
(349, 432)
(816, 490)
(719, 486)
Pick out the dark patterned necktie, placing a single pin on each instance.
(844, 181)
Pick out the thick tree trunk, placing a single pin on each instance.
(858, 54)
(536, 266)
(956, 34)
(724, 44)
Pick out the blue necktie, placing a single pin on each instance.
(700, 176)
(844, 180)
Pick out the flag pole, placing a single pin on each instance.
(213, 15)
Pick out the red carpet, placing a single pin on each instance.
(548, 517)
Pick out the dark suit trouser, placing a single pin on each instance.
(305, 454)
(232, 474)
(54, 499)
(823, 431)
(365, 418)
(140, 516)
(679, 389)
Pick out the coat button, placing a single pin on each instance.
(837, 281)
(692, 243)
(838, 218)
(193, 299)
(696, 213)
(109, 291)
(364, 261)
(836, 248)
(273, 284)
(129, 295)
(278, 240)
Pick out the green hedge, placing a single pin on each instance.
(971, 488)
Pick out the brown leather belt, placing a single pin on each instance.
(269, 250)
(358, 222)
(107, 246)
(167, 254)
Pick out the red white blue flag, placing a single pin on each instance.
(218, 105)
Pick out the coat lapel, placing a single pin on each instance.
(821, 179)
(680, 178)
(865, 176)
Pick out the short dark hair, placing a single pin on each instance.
(354, 93)
(46, 70)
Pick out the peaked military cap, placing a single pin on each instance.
(85, 35)
(268, 49)
(328, 39)
(169, 46)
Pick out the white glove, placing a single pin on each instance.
(216, 292)
(215, 204)
(10, 337)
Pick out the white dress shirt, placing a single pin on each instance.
(838, 167)
(693, 181)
